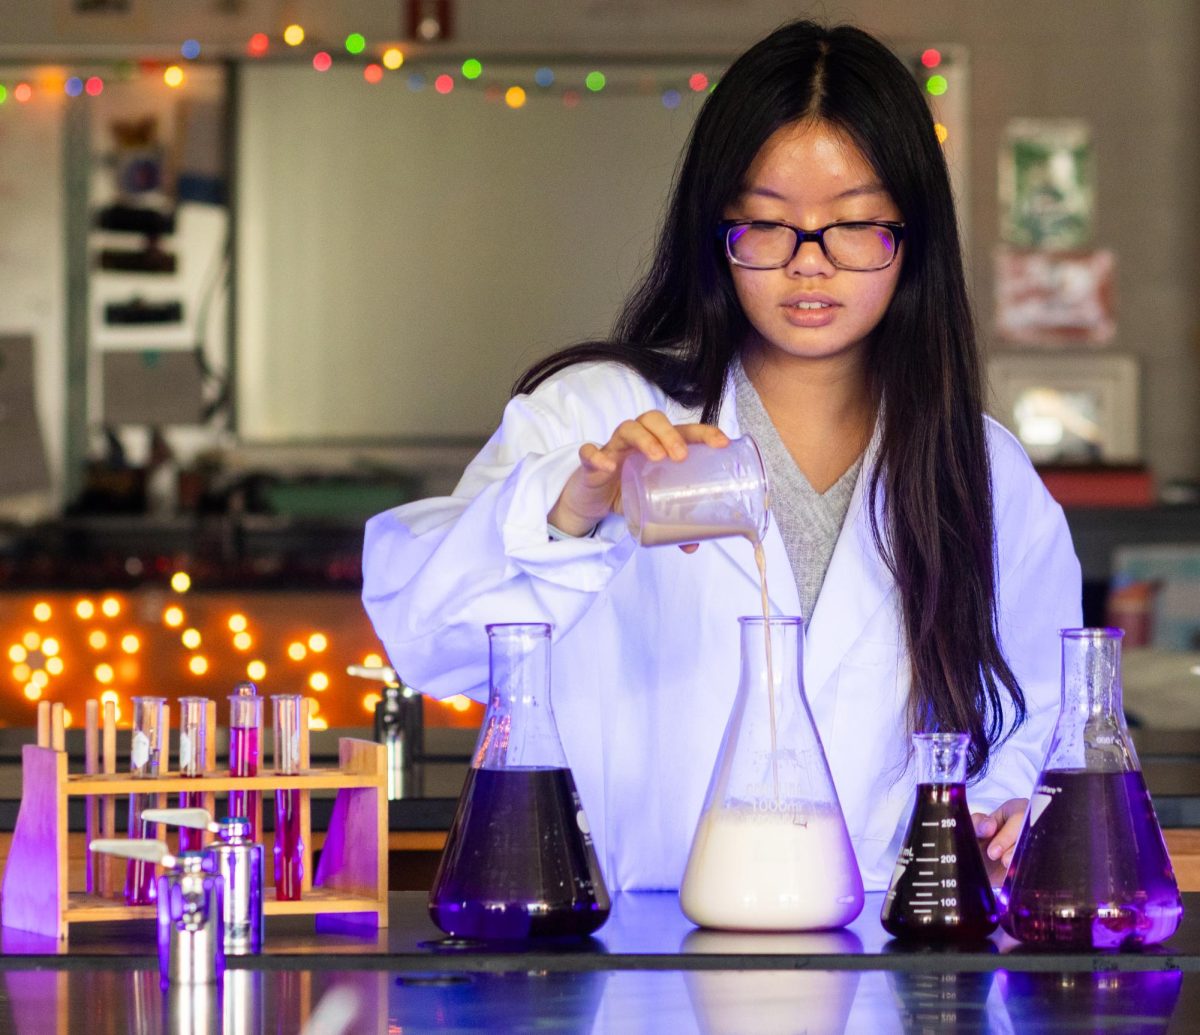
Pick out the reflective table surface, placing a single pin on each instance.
(646, 930)
(647, 970)
(676, 1002)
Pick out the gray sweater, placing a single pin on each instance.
(809, 521)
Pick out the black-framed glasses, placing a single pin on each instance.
(757, 244)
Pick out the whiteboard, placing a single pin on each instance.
(403, 256)
(33, 260)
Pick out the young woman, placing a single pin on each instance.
(807, 287)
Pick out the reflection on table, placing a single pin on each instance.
(703, 1002)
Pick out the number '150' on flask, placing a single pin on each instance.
(519, 861)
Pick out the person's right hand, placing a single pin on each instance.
(594, 489)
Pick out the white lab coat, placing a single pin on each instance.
(646, 640)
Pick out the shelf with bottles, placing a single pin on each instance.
(350, 878)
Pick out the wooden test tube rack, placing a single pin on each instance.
(351, 877)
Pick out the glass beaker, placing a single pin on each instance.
(145, 749)
(940, 889)
(771, 851)
(245, 747)
(712, 492)
(519, 860)
(1091, 869)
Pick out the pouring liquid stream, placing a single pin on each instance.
(760, 560)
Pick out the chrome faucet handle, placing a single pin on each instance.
(194, 819)
(143, 849)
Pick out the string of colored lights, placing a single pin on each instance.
(544, 81)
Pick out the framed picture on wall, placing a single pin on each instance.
(1068, 408)
(1047, 184)
(1046, 298)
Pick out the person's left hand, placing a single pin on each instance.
(997, 833)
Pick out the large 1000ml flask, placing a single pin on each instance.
(1091, 869)
(519, 860)
(771, 851)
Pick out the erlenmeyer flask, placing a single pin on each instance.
(519, 860)
(940, 889)
(771, 851)
(1091, 869)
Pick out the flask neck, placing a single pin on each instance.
(1091, 732)
(1091, 673)
(518, 729)
(941, 757)
(786, 635)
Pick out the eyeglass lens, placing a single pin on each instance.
(851, 246)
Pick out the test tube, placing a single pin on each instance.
(289, 845)
(145, 748)
(193, 748)
(245, 727)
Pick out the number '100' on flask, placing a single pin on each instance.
(519, 861)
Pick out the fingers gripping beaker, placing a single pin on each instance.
(771, 851)
(1091, 869)
(712, 492)
(940, 889)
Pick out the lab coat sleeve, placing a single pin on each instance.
(435, 572)
(1039, 592)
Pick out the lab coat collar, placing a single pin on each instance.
(856, 585)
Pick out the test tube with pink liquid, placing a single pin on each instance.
(289, 845)
(245, 737)
(193, 752)
(144, 752)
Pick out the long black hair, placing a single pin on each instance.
(683, 326)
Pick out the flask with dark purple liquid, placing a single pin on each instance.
(519, 861)
(1091, 869)
(940, 890)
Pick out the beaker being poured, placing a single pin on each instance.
(1091, 869)
(940, 889)
(519, 860)
(771, 851)
(713, 492)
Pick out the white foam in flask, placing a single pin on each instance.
(771, 851)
